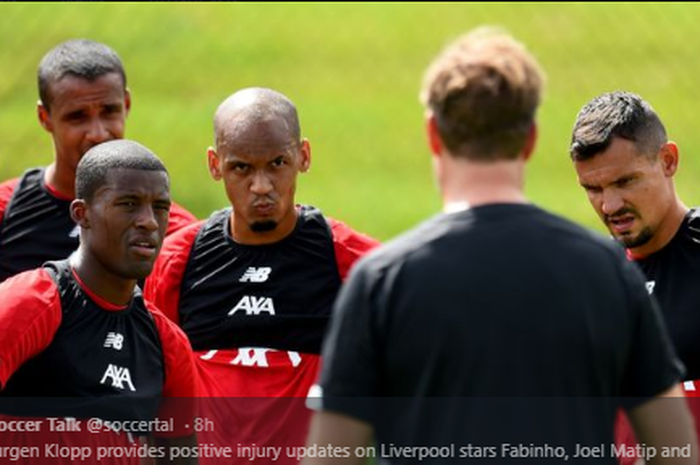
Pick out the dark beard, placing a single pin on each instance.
(644, 236)
(263, 226)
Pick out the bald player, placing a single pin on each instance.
(253, 286)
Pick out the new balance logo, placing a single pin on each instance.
(254, 305)
(255, 275)
(114, 340)
(650, 287)
(119, 376)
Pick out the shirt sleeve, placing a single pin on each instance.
(350, 377)
(162, 288)
(6, 190)
(30, 313)
(179, 218)
(349, 246)
(653, 366)
(180, 385)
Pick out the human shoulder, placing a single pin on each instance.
(172, 337)
(7, 188)
(32, 288)
(179, 218)
(404, 248)
(691, 224)
(181, 240)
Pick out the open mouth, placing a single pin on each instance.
(145, 247)
(621, 224)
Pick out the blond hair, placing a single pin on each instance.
(483, 91)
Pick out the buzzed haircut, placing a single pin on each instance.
(250, 106)
(82, 58)
(616, 114)
(97, 162)
(483, 91)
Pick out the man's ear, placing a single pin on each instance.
(305, 153)
(669, 158)
(214, 166)
(434, 139)
(530, 142)
(43, 114)
(78, 212)
(127, 101)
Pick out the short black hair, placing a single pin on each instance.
(116, 154)
(81, 58)
(616, 114)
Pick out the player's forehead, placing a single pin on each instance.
(125, 182)
(258, 141)
(74, 91)
(619, 160)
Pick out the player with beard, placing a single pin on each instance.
(83, 101)
(626, 164)
(495, 323)
(253, 286)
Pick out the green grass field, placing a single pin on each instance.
(354, 71)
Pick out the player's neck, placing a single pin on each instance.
(60, 180)
(112, 288)
(477, 184)
(668, 227)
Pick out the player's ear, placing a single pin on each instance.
(214, 165)
(530, 141)
(43, 114)
(305, 153)
(78, 212)
(127, 101)
(434, 139)
(669, 158)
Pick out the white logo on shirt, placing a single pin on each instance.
(255, 275)
(114, 340)
(249, 356)
(118, 375)
(650, 287)
(254, 305)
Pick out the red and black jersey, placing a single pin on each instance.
(673, 274)
(256, 317)
(62, 340)
(36, 226)
(227, 295)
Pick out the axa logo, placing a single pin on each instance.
(255, 275)
(119, 376)
(650, 286)
(114, 340)
(252, 305)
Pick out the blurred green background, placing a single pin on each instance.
(354, 71)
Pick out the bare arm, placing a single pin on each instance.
(341, 431)
(666, 422)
